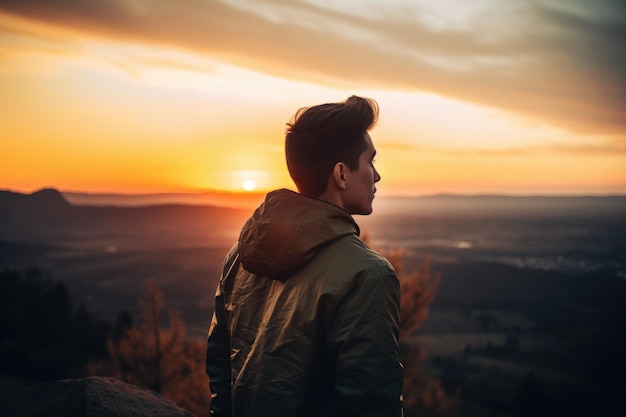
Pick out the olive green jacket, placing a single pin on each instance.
(306, 318)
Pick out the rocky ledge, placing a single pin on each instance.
(87, 397)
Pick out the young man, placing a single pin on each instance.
(306, 315)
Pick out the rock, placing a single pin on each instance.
(87, 397)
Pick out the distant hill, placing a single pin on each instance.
(47, 197)
(50, 216)
(208, 198)
(47, 216)
(20, 212)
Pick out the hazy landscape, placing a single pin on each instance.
(530, 307)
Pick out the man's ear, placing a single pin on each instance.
(339, 175)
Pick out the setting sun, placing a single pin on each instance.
(249, 185)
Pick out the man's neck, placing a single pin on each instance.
(333, 197)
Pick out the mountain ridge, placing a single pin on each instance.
(54, 198)
(46, 216)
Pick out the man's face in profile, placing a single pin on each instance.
(360, 183)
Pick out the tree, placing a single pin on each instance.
(157, 357)
(122, 324)
(532, 401)
(43, 336)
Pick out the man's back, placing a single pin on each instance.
(311, 318)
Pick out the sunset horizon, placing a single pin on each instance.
(262, 192)
(186, 97)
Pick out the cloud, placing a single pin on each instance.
(559, 63)
(603, 148)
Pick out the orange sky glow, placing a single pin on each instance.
(150, 96)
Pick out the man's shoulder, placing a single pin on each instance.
(361, 255)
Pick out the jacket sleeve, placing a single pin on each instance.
(218, 360)
(369, 376)
(218, 349)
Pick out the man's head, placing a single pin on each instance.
(327, 146)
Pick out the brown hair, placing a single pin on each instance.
(320, 136)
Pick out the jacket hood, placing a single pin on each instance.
(287, 230)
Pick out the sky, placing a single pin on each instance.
(147, 96)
